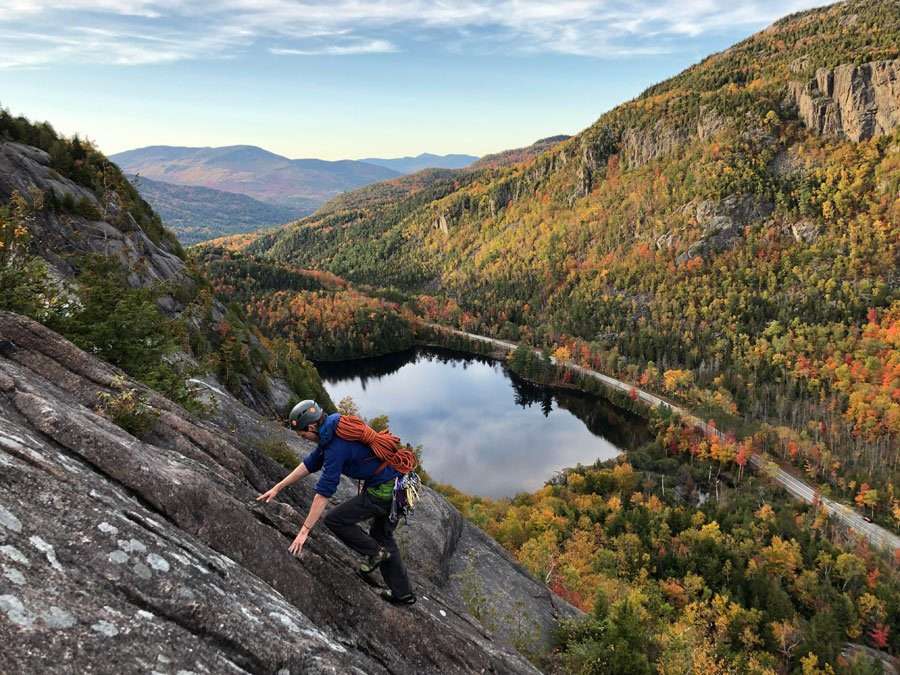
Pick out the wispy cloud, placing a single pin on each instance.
(365, 47)
(133, 32)
(125, 46)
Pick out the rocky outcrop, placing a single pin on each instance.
(639, 146)
(440, 223)
(155, 550)
(61, 237)
(857, 102)
(805, 231)
(667, 241)
(890, 665)
(723, 222)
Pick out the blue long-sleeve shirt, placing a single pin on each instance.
(336, 456)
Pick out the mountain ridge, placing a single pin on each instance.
(416, 185)
(253, 171)
(425, 160)
(292, 188)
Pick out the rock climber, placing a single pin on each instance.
(345, 446)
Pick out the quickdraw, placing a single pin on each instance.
(406, 496)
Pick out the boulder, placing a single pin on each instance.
(723, 222)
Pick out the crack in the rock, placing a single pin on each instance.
(236, 653)
(40, 339)
(456, 531)
(31, 461)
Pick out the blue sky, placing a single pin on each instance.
(350, 78)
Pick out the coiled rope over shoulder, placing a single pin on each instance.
(384, 444)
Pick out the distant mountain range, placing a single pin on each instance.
(248, 187)
(197, 214)
(510, 157)
(424, 161)
(252, 171)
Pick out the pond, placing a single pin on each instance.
(483, 430)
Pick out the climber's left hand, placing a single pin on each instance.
(297, 545)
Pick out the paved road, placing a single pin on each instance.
(876, 534)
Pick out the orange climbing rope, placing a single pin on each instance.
(384, 444)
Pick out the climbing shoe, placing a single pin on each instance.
(375, 561)
(402, 600)
(368, 578)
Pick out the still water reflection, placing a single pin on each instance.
(484, 430)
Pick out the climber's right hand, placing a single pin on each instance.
(269, 494)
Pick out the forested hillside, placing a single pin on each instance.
(748, 582)
(197, 214)
(315, 310)
(392, 200)
(518, 155)
(734, 229)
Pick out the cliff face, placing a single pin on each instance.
(64, 236)
(155, 549)
(857, 102)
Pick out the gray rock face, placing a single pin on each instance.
(59, 237)
(805, 231)
(850, 101)
(479, 576)
(723, 223)
(155, 550)
(639, 146)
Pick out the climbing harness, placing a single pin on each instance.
(383, 491)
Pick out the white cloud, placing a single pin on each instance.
(158, 31)
(145, 8)
(366, 47)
